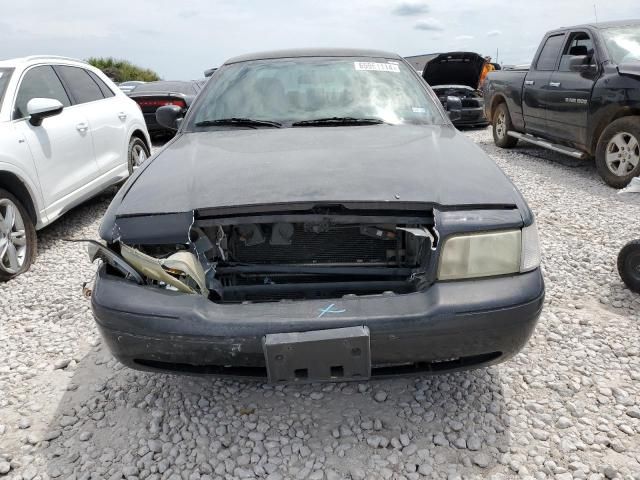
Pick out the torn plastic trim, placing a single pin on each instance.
(423, 232)
(167, 270)
(98, 251)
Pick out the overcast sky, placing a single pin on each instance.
(181, 38)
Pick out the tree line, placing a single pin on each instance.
(122, 70)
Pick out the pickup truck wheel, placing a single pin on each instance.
(17, 237)
(137, 154)
(501, 126)
(629, 265)
(618, 152)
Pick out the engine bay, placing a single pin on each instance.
(234, 262)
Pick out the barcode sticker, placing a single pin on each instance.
(377, 67)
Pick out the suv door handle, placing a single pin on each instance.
(554, 84)
(529, 82)
(82, 127)
(122, 116)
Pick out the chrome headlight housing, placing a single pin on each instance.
(489, 254)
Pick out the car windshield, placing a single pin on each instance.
(5, 75)
(315, 91)
(623, 43)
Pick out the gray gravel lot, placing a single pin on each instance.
(567, 407)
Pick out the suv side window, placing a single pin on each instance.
(579, 44)
(549, 54)
(82, 87)
(104, 88)
(39, 82)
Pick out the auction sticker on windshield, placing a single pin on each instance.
(377, 67)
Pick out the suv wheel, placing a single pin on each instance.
(17, 237)
(618, 152)
(501, 126)
(629, 265)
(137, 154)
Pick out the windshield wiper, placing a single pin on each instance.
(339, 121)
(240, 122)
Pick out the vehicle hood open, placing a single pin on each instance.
(454, 68)
(394, 166)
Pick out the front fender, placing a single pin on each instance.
(32, 187)
(16, 159)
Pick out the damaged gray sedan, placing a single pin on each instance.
(316, 217)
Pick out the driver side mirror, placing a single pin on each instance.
(453, 106)
(582, 64)
(169, 116)
(40, 108)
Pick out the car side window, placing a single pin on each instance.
(579, 44)
(549, 54)
(82, 87)
(104, 88)
(39, 82)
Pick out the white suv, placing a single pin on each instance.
(66, 133)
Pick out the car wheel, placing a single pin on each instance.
(17, 237)
(137, 154)
(618, 152)
(501, 126)
(629, 265)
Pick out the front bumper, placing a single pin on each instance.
(472, 117)
(449, 326)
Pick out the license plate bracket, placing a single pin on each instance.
(334, 355)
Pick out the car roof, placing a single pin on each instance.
(32, 59)
(600, 25)
(313, 52)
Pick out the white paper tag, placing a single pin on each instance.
(418, 109)
(376, 67)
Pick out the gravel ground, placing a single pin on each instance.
(567, 407)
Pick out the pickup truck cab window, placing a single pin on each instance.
(579, 44)
(39, 82)
(549, 55)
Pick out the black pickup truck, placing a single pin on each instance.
(580, 97)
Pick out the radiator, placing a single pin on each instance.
(339, 245)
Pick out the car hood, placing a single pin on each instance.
(630, 68)
(383, 164)
(454, 68)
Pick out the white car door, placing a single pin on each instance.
(61, 147)
(102, 108)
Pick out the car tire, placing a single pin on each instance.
(501, 126)
(618, 152)
(18, 241)
(137, 153)
(629, 265)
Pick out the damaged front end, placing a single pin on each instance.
(470, 98)
(318, 252)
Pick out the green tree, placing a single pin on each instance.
(122, 70)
